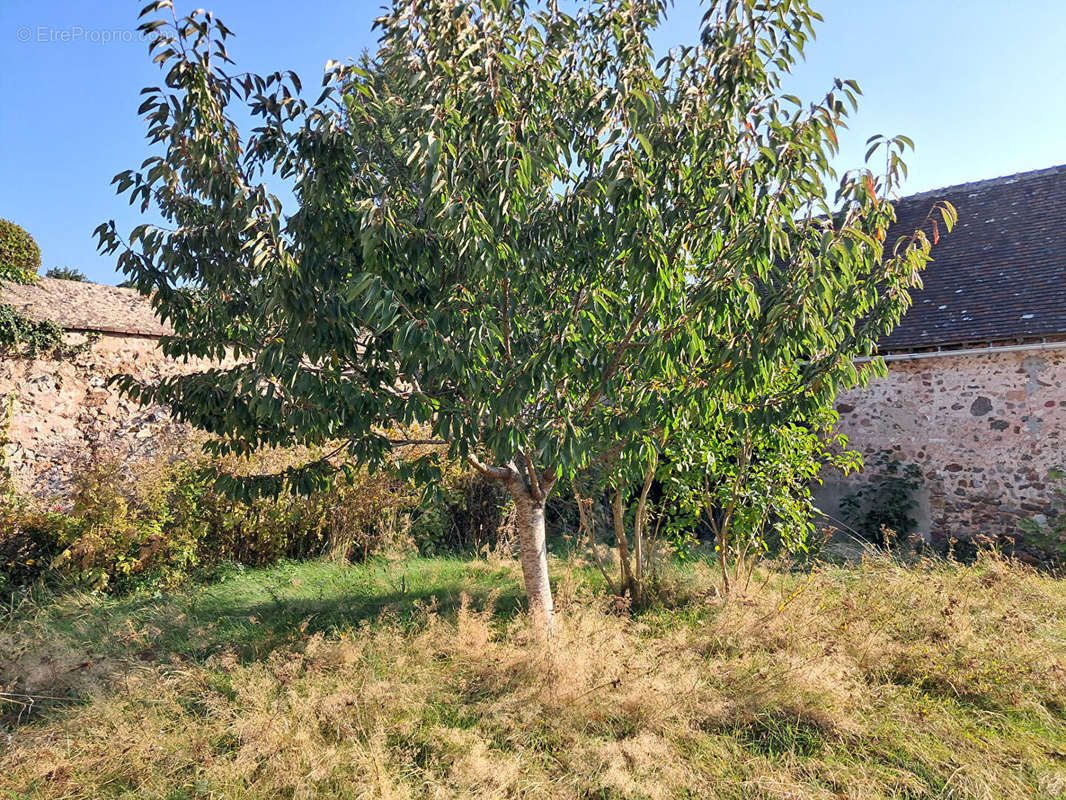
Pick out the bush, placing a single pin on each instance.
(465, 513)
(20, 257)
(28, 545)
(20, 336)
(160, 523)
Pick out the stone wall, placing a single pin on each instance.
(984, 430)
(64, 413)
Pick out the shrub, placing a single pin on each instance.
(28, 544)
(163, 521)
(20, 257)
(465, 513)
(20, 336)
(352, 520)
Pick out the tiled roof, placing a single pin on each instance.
(84, 306)
(1001, 274)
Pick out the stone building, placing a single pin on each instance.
(974, 395)
(62, 411)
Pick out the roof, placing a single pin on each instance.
(1000, 274)
(84, 306)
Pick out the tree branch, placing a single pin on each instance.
(584, 505)
(496, 473)
(534, 484)
(616, 358)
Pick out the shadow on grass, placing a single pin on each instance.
(56, 650)
(253, 615)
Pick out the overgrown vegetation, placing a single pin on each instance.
(411, 679)
(160, 521)
(1047, 532)
(882, 509)
(568, 264)
(20, 256)
(20, 336)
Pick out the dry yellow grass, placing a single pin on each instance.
(872, 681)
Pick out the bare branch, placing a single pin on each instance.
(584, 509)
(496, 473)
(534, 484)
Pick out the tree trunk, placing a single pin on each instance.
(638, 531)
(533, 550)
(530, 493)
(618, 515)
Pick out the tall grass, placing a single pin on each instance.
(418, 679)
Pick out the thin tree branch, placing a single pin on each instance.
(547, 481)
(496, 473)
(506, 319)
(584, 506)
(616, 358)
(638, 523)
(618, 516)
(534, 483)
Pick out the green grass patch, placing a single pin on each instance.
(254, 611)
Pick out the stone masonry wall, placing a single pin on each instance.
(984, 430)
(64, 412)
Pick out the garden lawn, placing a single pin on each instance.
(417, 678)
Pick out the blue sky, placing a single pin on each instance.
(978, 85)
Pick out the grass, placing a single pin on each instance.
(416, 678)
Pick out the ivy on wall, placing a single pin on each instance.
(884, 508)
(22, 337)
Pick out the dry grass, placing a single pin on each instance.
(874, 681)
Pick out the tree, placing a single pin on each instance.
(519, 234)
(65, 274)
(753, 484)
(20, 336)
(20, 257)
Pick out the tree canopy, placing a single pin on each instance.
(65, 274)
(20, 256)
